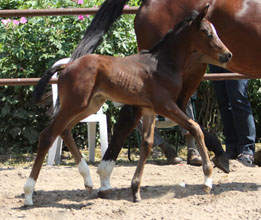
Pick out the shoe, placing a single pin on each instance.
(194, 158)
(174, 160)
(172, 157)
(170, 153)
(246, 159)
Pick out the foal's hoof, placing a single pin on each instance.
(207, 189)
(222, 162)
(104, 194)
(89, 188)
(28, 205)
(136, 197)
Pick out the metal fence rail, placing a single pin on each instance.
(33, 81)
(57, 11)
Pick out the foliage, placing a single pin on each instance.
(28, 47)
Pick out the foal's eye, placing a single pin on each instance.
(210, 36)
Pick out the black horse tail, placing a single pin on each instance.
(101, 23)
(40, 87)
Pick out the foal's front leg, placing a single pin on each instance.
(147, 142)
(173, 112)
(46, 140)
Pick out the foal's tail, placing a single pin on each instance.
(39, 88)
(101, 23)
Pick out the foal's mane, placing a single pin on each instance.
(177, 28)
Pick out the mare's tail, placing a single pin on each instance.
(101, 23)
(39, 88)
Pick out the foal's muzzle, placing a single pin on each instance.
(226, 57)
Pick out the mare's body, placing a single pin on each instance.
(150, 80)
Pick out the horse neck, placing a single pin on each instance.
(174, 51)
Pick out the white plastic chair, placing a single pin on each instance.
(54, 153)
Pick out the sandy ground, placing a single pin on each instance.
(168, 192)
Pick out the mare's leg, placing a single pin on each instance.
(127, 121)
(172, 111)
(46, 139)
(213, 144)
(147, 142)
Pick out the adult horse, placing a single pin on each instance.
(133, 80)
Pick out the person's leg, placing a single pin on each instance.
(193, 157)
(167, 149)
(231, 138)
(242, 115)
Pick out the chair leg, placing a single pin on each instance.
(54, 153)
(58, 154)
(103, 135)
(91, 140)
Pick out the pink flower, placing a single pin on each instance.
(126, 6)
(23, 20)
(80, 2)
(5, 21)
(80, 17)
(87, 16)
(15, 22)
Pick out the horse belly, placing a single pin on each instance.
(120, 92)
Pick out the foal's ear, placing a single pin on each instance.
(202, 14)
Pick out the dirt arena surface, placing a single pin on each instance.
(168, 192)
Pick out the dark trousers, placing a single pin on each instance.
(236, 114)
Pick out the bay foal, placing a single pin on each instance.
(150, 80)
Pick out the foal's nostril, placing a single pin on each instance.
(225, 57)
(229, 55)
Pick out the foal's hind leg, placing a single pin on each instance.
(68, 139)
(147, 142)
(127, 121)
(46, 139)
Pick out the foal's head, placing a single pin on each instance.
(205, 39)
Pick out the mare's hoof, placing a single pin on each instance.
(89, 188)
(104, 193)
(222, 162)
(207, 189)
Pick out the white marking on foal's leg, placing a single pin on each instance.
(28, 191)
(208, 184)
(105, 170)
(85, 172)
